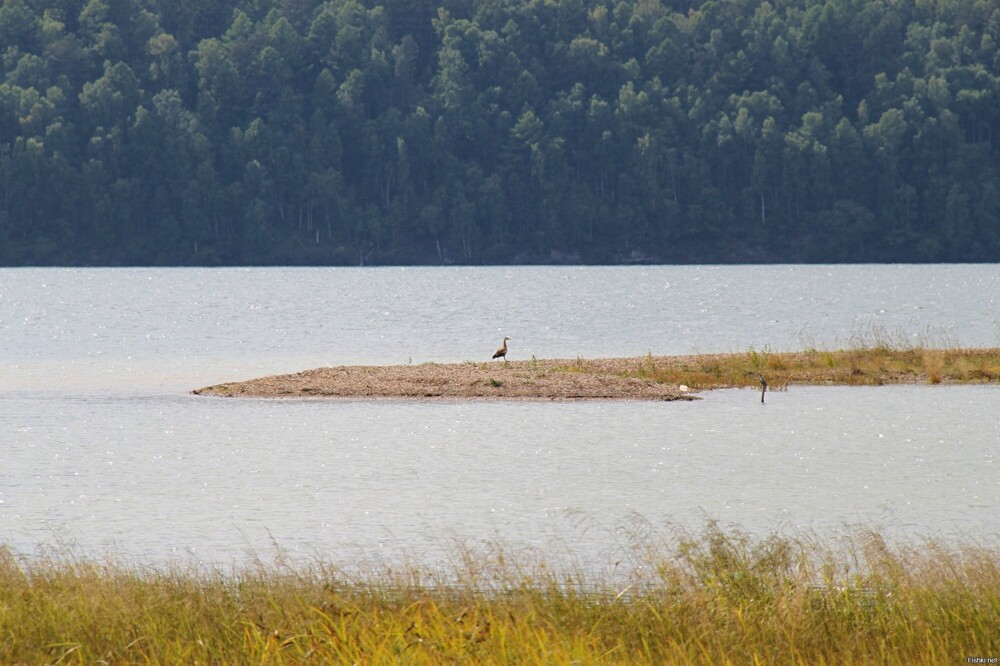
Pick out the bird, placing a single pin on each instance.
(763, 387)
(502, 351)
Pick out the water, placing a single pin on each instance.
(104, 450)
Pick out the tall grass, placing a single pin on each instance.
(874, 356)
(872, 366)
(716, 597)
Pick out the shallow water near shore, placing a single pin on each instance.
(105, 451)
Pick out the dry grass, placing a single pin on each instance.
(715, 598)
(852, 367)
(871, 366)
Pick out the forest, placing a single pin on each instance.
(387, 132)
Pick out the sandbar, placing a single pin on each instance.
(552, 379)
(663, 378)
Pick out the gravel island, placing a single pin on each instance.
(601, 379)
(639, 378)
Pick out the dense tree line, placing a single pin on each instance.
(495, 131)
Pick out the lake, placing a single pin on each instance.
(106, 453)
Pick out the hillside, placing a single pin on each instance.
(491, 131)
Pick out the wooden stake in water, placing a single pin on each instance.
(763, 387)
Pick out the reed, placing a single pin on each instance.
(858, 366)
(716, 597)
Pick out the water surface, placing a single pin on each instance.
(105, 450)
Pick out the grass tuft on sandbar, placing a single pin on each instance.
(849, 367)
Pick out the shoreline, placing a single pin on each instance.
(657, 378)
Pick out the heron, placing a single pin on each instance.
(502, 351)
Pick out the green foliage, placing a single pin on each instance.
(346, 132)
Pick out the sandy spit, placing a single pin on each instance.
(564, 380)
